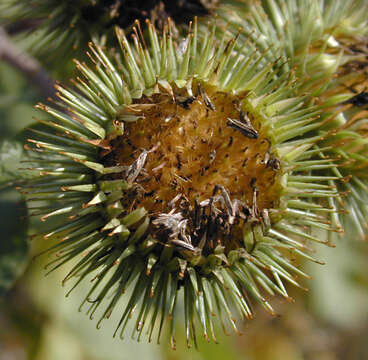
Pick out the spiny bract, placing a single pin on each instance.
(182, 173)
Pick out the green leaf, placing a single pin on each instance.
(14, 247)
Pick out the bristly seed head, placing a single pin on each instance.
(189, 168)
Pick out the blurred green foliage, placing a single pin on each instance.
(16, 110)
(13, 242)
(17, 99)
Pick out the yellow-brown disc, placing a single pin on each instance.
(192, 149)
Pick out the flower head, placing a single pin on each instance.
(183, 172)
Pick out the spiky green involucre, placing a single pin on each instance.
(184, 172)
